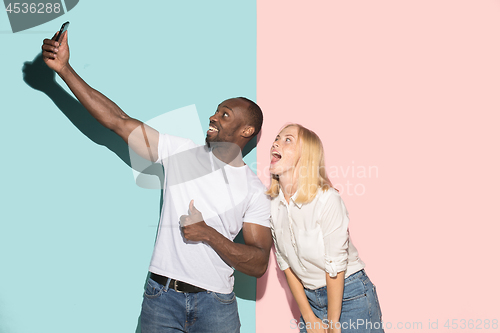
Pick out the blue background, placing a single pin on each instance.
(76, 232)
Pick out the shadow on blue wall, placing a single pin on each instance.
(40, 77)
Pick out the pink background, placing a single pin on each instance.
(412, 89)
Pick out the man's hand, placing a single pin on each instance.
(56, 54)
(193, 226)
(250, 258)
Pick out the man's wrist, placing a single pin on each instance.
(210, 235)
(64, 71)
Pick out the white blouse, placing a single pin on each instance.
(313, 238)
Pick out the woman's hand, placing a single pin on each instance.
(314, 324)
(334, 328)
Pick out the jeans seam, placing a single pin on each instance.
(375, 296)
(368, 299)
(195, 307)
(186, 312)
(318, 298)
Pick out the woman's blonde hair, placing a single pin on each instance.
(311, 164)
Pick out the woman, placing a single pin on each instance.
(311, 237)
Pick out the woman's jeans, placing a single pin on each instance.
(360, 307)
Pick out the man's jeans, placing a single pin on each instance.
(166, 310)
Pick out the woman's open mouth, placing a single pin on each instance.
(275, 156)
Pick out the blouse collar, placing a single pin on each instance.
(281, 196)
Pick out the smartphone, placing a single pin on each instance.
(64, 27)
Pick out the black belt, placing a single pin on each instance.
(176, 284)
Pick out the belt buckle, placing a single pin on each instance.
(175, 286)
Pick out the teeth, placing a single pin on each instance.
(212, 129)
(276, 154)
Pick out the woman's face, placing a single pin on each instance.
(285, 151)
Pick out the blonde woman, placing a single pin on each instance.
(311, 237)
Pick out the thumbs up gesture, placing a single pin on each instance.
(193, 226)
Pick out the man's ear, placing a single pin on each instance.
(248, 131)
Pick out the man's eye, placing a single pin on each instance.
(225, 114)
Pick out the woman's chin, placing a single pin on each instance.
(274, 170)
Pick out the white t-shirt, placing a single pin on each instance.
(313, 238)
(225, 195)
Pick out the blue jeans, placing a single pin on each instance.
(165, 310)
(360, 307)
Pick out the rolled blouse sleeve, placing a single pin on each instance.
(334, 223)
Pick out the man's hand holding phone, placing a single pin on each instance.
(55, 51)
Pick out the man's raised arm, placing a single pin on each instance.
(140, 137)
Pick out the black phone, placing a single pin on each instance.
(64, 27)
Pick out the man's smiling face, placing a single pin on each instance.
(227, 122)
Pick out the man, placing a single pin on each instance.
(209, 196)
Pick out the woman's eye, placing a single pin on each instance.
(288, 140)
(276, 139)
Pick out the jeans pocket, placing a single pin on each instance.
(353, 298)
(353, 290)
(153, 289)
(224, 298)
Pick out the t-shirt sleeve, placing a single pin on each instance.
(259, 209)
(168, 145)
(334, 223)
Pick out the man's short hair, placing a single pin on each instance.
(254, 115)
